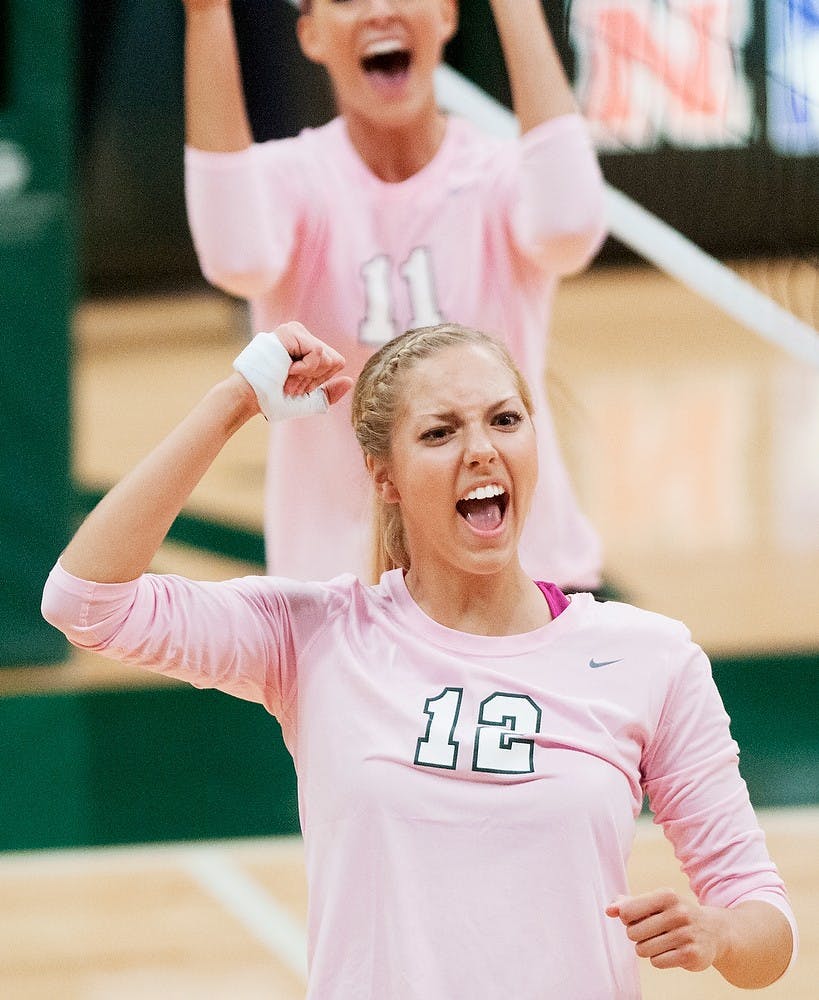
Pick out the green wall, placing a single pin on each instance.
(111, 767)
(36, 299)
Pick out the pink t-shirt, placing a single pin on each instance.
(468, 802)
(305, 231)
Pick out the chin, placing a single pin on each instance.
(396, 116)
(490, 563)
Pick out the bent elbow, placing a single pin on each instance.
(571, 252)
(54, 610)
(72, 615)
(583, 248)
(246, 273)
(242, 284)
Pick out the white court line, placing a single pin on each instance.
(212, 867)
(210, 864)
(256, 909)
(142, 856)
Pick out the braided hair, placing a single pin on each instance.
(377, 400)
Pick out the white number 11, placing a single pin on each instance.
(378, 325)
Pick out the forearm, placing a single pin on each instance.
(122, 534)
(540, 88)
(215, 113)
(756, 942)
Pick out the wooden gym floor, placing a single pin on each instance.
(693, 447)
(225, 921)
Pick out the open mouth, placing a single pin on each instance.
(390, 63)
(484, 508)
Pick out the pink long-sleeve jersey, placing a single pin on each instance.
(305, 231)
(468, 803)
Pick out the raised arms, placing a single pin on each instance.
(540, 89)
(215, 114)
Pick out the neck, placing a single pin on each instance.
(395, 154)
(503, 603)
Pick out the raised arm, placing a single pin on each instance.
(558, 210)
(215, 114)
(120, 537)
(540, 88)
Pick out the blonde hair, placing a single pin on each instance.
(377, 399)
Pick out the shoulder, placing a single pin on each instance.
(630, 618)
(332, 135)
(569, 128)
(293, 607)
(473, 159)
(493, 137)
(468, 141)
(302, 149)
(494, 157)
(653, 648)
(303, 599)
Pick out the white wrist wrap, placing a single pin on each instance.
(265, 364)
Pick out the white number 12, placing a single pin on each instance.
(496, 749)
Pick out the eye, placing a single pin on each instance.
(508, 419)
(436, 435)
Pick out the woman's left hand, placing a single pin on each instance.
(670, 931)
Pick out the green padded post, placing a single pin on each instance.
(37, 287)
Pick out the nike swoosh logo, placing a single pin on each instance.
(594, 664)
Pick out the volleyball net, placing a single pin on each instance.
(705, 114)
(658, 242)
(706, 118)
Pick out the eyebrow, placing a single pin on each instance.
(451, 415)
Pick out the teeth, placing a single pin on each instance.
(383, 46)
(482, 492)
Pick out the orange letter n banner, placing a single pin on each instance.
(652, 72)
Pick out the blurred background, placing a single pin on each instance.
(693, 440)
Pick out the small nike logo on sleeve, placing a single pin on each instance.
(594, 664)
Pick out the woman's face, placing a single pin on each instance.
(380, 54)
(463, 463)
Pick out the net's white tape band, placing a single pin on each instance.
(265, 364)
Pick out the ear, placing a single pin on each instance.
(449, 19)
(379, 471)
(309, 39)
